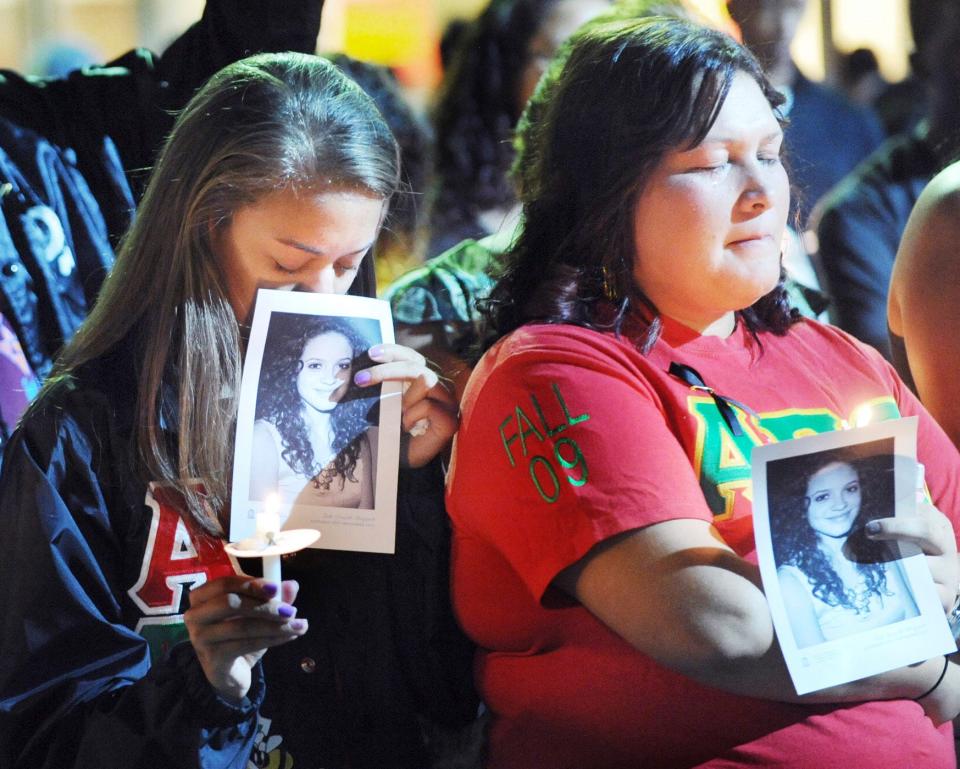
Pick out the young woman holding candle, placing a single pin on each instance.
(313, 443)
(114, 492)
(603, 554)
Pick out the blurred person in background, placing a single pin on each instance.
(826, 135)
(493, 69)
(401, 244)
(436, 306)
(860, 223)
(860, 76)
(59, 57)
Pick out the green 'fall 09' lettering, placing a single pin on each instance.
(566, 453)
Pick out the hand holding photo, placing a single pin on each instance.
(845, 603)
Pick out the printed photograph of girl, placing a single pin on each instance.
(834, 580)
(315, 434)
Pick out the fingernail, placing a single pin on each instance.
(363, 377)
(419, 427)
(872, 527)
(376, 351)
(270, 589)
(298, 624)
(286, 610)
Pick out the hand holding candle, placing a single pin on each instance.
(210, 616)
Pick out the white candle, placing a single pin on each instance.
(268, 528)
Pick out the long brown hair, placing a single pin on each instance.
(263, 124)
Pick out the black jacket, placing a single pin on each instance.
(91, 673)
(76, 152)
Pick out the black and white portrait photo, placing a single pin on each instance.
(313, 444)
(834, 579)
(845, 604)
(315, 434)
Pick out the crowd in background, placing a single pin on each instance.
(456, 157)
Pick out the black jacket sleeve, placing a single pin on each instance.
(131, 102)
(858, 243)
(76, 685)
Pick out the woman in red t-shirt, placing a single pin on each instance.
(600, 487)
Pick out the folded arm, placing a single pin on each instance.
(677, 593)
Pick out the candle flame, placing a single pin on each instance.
(862, 415)
(271, 503)
(268, 519)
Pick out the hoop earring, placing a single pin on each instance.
(610, 292)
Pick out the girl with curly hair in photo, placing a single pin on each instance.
(313, 441)
(834, 580)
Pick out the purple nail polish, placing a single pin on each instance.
(270, 589)
(362, 377)
(298, 624)
(376, 351)
(285, 610)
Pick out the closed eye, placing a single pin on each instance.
(771, 153)
(341, 268)
(712, 169)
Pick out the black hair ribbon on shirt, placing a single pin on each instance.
(692, 377)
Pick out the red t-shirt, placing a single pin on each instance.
(569, 436)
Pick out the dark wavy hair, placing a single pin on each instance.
(795, 542)
(617, 98)
(475, 114)
(280, 403)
